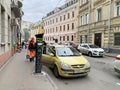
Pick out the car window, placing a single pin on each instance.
(93, 46)
(67, 51)
(45, 50)
(52, 50)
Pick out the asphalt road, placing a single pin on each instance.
(101, 77)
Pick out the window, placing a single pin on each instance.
(64, 27)
(99, 14)
(117, 38)
(53, 30)
(81, 20)
(48, 22)
(3, 25)
(118, 8)
(86, 38)
(60, 18)
(80, 39)
(72, 26)
(68, 15)
(56, 19)
(67, 38)
(60, 28)
(56, 29)
(72, 38)
(67, 26)
(64, 17)
(53, 21)
(63, 38)
(60, 38)
(86, 18)
(72, 14)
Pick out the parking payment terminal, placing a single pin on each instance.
(39, 43)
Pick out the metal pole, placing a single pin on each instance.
(88, 22)
(109, 17)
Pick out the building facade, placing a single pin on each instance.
(60, 24)
(10, 17)
(25, 30)
(36, 28)
(102, 28)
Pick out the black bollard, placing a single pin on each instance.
(38, 63)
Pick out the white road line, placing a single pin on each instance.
(118, 84)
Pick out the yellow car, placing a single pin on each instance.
(65, 61)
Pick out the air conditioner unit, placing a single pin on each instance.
(14, 22)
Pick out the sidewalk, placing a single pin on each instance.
(111, 55)
(19, 74)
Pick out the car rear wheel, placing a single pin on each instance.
(55, 71)
(90, 54)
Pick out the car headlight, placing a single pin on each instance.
(65, 66)
(87, 64)
(95, 51)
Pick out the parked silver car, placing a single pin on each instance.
(117, 64)
(90, 49)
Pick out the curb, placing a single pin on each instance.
(48, 78)
(113, 56)
(51, 81)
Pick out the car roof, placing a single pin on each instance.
(86, 44)
(60, 46)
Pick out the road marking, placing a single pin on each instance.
(118, 84)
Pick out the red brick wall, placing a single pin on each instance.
(5, 57)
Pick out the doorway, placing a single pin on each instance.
(97, 39)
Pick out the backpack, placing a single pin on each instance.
(32, 46)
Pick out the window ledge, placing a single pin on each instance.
(2, 44)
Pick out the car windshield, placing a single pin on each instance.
(93, 46)
(67, 51)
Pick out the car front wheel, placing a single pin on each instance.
(90, 54)
(55, 71)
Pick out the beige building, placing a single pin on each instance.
(36, 28)
(25, 30)
(60, 24)
(10, 17)
(103, 26)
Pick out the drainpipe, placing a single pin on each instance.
(88, 22)
(109, 20)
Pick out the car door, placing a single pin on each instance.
(47, 57)
(80, 48)
(85, 49)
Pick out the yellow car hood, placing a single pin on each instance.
(73, 60)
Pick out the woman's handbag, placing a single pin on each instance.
(27, 55)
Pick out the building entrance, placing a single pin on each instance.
(97, 39)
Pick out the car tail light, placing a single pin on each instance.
(117, 58)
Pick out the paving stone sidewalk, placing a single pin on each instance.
(18, 74)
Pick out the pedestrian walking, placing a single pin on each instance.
(32, 48)
(23, 44)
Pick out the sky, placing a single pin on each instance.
(34, 10)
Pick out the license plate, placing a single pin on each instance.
(79, 71)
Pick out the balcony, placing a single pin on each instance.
(17, 11)
(14, 22)
(83, 7)
(102, 23)
(96, 2)
(20, 3)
